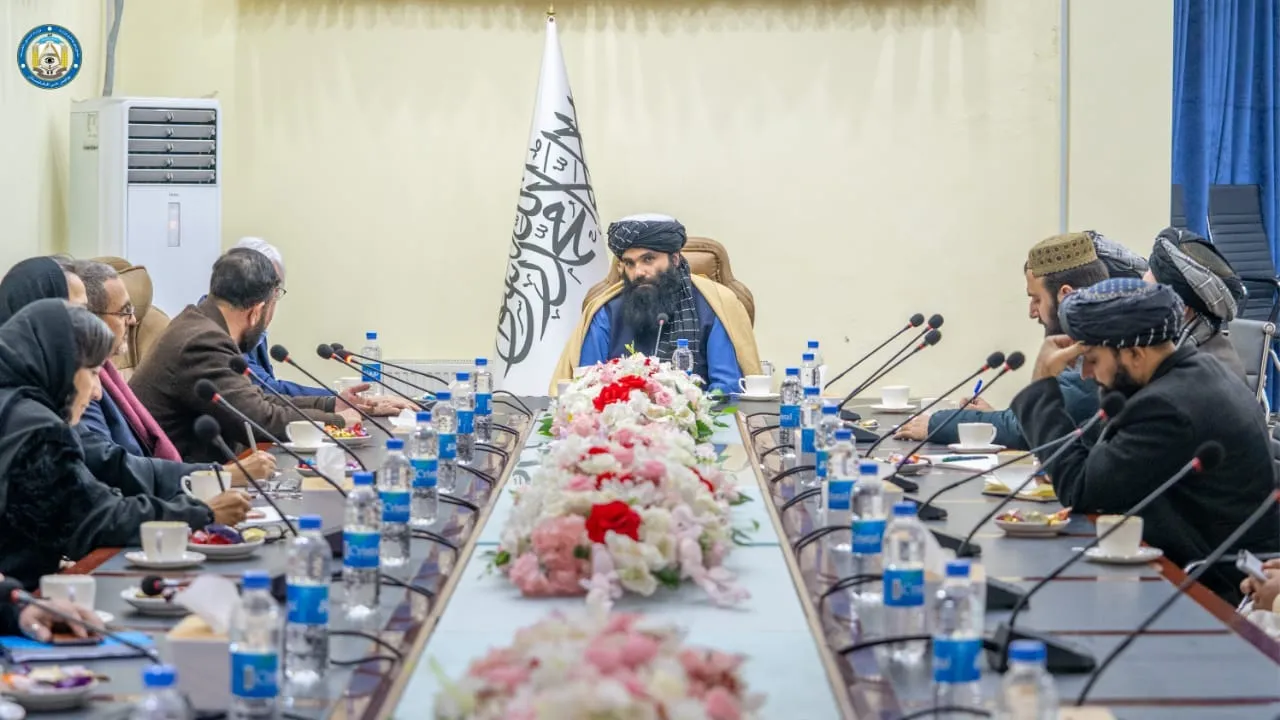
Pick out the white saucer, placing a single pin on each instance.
(1144, 555)
(363, 441)
(189, 559)
(239, 551)
(152, 605)
(306, 449)
(52, 700)
(971, 449)
(1030, 529)
(761, 397)
(894, 409)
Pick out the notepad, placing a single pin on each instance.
(978, 463)
(25, 650)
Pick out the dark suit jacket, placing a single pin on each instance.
(1192, 398)
(196, 346)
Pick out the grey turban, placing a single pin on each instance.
(661, 233)
(1195, 270)
(1121, 262)
(1121, 313)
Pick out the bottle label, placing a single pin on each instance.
(371, 372)
(955, 660)
(820, 464)
(395, 506)
(789, 416)
(904, 587)
(839, 494)
(425, 472)
(868, 536)
(806, 440)
(448, 446)
(360, 550)
(308, 604)
(466, 422)
(484, 404)
(254, 675)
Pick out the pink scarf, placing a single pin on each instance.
(145, 427)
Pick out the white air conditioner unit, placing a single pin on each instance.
(146, 186)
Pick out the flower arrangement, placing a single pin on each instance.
(600, 665)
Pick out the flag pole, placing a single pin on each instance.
(551, 10)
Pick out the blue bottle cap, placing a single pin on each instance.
(310, 522)
(361, 478)
(811, 391)
(813, 344)
(1029, 651)
(682, 342)
(904, 509)
(958, 568)
(830, 408)
(462, 376)
(482, 362)
(868, 467)
(793, 371)
(159, 676)
(444, 395)
(395, 444)
(423, 416)
(256, 580)
(808, 357)
(844, 434)
(371, 335)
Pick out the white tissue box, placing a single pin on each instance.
(203, 661)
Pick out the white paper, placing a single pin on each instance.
(213, 598)
(981, 463)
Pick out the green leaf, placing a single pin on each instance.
(669, 577)
(704, 431)
(544, 428)
(502, 557)
(731, 410)
(582, 552)
(743, 499)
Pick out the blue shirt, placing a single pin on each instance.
(103, 417)
(259, 359)
(722, 359)
(1080, 398)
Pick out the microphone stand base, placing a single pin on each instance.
(1002, 595)
(1063, 658)
(930, 512)
(951, 542)
(850, 415)
(902, 482)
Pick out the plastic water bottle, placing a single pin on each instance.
(162, 700)
(484, 401)
(423, 449)
(361, 538)
(306, 631)
(868, 518)
(957, 641)
(464, 404)
(904, 544)
(810, 413)
(790, 394)
(255, 650)
(1027, 691)
(823, 439)
(809, 368)
(372, 372)
(446, 420)
(818, 366)
(837, 498)
(682, 358)
(394, 482)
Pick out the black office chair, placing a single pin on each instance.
(1177, 207)
(1236, 228)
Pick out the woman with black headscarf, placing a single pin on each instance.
(35, 279)
(50, 504)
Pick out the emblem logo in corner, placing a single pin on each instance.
(49, 56)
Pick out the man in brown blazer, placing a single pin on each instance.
(201, 342)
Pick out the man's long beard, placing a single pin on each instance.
(252, 336)
(643, 301)
(1123, 382)
(1051, 324)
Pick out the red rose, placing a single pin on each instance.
(597, 451)
(616, 516)
(610, 475)
(618, 391)
(711, 489)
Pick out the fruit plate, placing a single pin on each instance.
(1033, 523)
(44, 697)
(237, 551)
(148, 605)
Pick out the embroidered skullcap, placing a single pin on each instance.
(661, 233)
(1196, 271)
(1060, 253)
(1120, 260)
(1121, 313)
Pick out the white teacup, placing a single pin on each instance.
(1125, 541)
(164, 541)
(203, 484)
(895, 396)
(304, 433)
(976, 434)
(78, 589)
(755, 384)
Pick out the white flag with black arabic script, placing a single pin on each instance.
(557, 252)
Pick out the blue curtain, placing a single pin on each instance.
(1225, 89)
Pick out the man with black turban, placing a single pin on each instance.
(656, 281)
(1209, 288)
(1177, 399)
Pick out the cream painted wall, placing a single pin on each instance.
(861, 160)
(33, 127)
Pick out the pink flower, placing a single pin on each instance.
(604, 654)
(624, 456)
(664, 398)
(620, 623)
(638, 649)
(527, 576)
(651, 470)
(584, 425)
(625, 437)
(721, 705)
(580, 483)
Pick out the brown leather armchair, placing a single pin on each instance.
(151, 321)
(707, 258)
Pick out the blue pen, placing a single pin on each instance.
(976, 388)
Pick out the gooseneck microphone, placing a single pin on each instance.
(1190, 580)
(280, 354)
(11, 592)
(208, 430)
(1064, 657)
(207, 391)
(994, 360)
(341, 349)
(1112, 404)
(935, 322)
(932, 337)
(241, 367)
(662, 323)
(915, 321)
(328, 353)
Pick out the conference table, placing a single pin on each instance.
(1201, 660)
